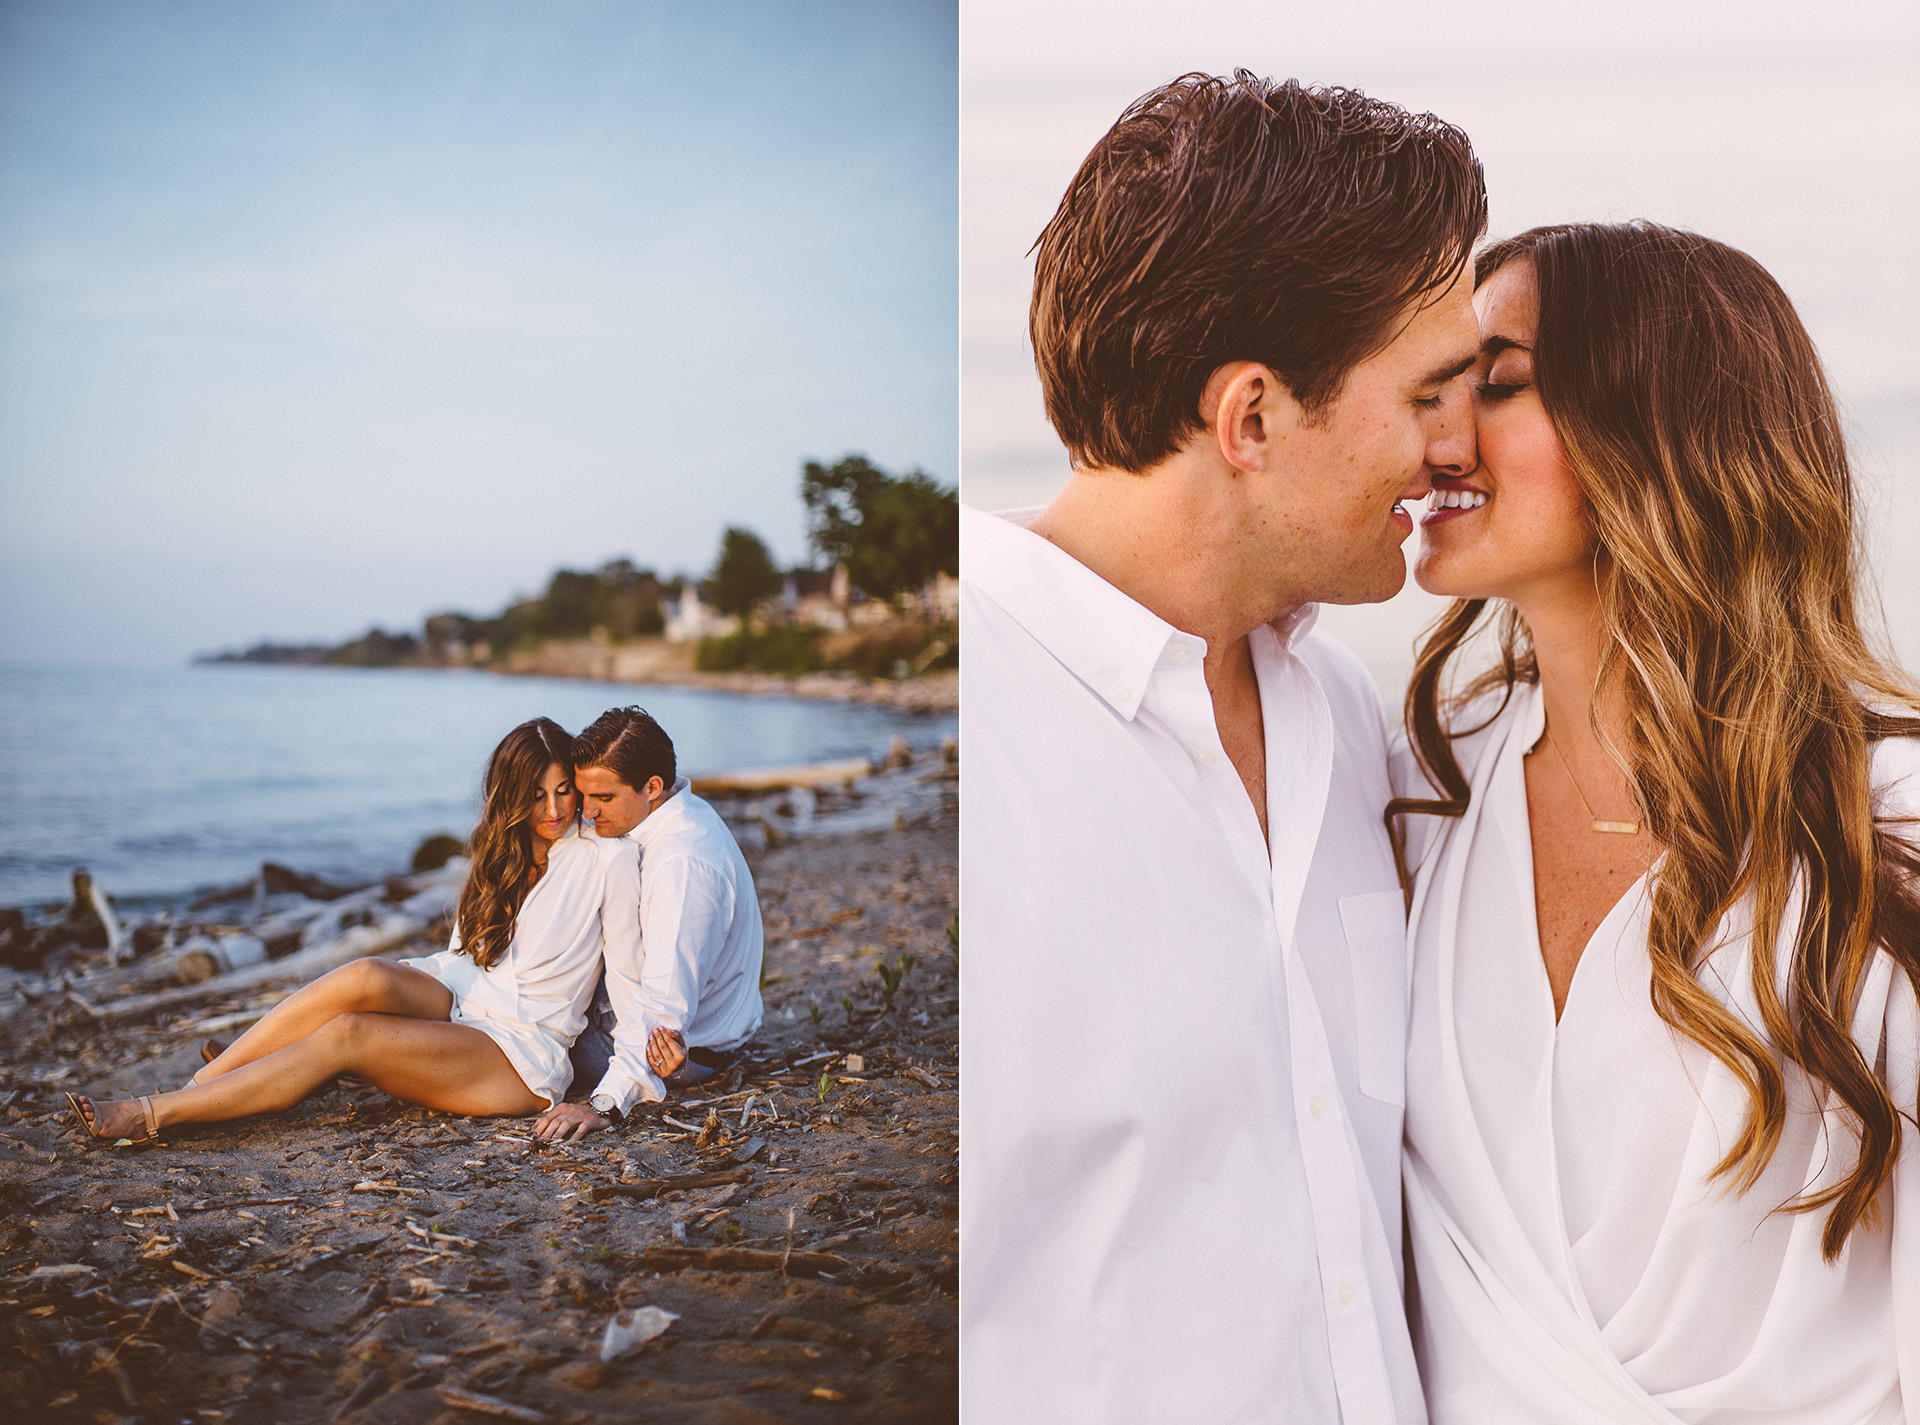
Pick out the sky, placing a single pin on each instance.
(1790, 131)
(324, 315)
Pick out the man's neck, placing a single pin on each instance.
(1179, 543)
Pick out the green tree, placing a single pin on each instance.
(743, 576)
(894, 533)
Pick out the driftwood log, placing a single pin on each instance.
(738, 1259)
(771, 779)
(388, 933)
(653, 1187)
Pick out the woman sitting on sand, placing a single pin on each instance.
(484, 1026)
(1662, 1159)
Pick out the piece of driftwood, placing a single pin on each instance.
(388, 933)
(770, 779)
(653, 1187)
(460, 1398)
(738, 1259)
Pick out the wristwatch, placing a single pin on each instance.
(604, 1105)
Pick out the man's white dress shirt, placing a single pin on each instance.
(694, 964)
(1180, 1131)
(1575, 1260)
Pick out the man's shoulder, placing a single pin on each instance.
(697, 837)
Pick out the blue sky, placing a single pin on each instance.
(319, 315)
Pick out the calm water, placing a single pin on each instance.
(162, 781)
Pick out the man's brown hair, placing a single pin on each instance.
(629, 744)
(1239, 219)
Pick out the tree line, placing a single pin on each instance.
(893, 533)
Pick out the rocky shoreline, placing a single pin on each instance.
(656, 661)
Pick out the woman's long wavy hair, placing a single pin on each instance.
(502, 844)
(1693, 408)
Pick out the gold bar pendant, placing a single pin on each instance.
(1619, 828)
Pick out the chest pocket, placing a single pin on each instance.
(1376, 930)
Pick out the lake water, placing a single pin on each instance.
(161, 781)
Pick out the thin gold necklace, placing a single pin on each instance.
(1618, 828)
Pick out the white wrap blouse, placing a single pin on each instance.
(1575, 1260)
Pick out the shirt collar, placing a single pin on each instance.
(1105, 639)
(1109, 641)
(663, 818)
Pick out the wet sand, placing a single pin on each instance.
(356, 1259)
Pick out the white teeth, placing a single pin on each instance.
(1456, 500)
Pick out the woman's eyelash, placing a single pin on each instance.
(1497, 391)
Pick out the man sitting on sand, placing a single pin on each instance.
(693, 979)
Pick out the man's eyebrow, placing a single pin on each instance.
(1440, 375)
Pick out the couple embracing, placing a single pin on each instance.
(1553, 1061)
(608, 934)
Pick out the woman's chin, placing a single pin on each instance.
(1434, 581)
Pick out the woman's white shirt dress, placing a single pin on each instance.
(1574, 1260)
(533, 1000)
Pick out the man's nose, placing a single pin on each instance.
(1453, 449)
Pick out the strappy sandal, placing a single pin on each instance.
(80, 1103)
(211, 1050)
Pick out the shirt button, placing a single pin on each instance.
(1346, 1293)
(1317, 1106)
(1203, 755)
(1179, 653)
(1121, 692)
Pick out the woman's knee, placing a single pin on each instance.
(346, 1034)
(369, 984)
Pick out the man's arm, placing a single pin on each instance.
(685, 911)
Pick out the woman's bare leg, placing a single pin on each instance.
(369, 986)
(453, 1067)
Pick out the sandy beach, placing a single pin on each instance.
(356, 1259)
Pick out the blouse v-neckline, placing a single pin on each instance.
(1510, 780)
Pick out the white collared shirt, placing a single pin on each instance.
(694, 964)
(1180, 1188)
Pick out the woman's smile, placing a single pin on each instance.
(1453, 496)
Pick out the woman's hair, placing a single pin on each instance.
(1694, 411)
(502, 844)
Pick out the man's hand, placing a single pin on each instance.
(666, 1051)
(567, 1120)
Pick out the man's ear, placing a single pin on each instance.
(656, 788)
(1246, 408)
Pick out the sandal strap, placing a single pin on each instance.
(153, 1124)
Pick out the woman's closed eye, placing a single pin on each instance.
(1498, 390)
